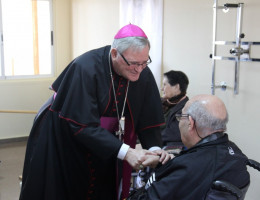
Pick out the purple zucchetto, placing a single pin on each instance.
(130, 30)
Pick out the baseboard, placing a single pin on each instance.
(11, 140)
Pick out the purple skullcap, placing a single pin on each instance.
(130, 30)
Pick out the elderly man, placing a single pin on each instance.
(82, 144)
(209, 156)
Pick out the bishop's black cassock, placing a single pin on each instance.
(72, 149)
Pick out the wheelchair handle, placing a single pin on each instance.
(227, 187)
(254, 164)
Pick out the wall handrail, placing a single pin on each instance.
(19, 111)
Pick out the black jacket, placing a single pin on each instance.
(189, 176)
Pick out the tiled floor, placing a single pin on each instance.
(11, 166)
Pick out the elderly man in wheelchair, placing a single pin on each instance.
(211, 168)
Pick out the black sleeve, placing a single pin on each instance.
(151, 115)
(150, 137)
(97, 140)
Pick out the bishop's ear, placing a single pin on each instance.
(113, 53)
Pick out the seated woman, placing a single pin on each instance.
(175, 84)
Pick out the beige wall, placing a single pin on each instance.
(94, 24)
(30, 94)
(187, 40)
(81, 25)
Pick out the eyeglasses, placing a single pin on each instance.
(136, 64)
(179, 116)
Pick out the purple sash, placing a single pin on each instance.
(111, 124)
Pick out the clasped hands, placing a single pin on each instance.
(141, 158)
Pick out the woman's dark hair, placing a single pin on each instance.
(177, 77)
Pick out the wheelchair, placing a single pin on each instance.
(222, 190)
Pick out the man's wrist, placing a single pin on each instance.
(122, 152)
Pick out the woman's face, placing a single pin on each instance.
(168, 90)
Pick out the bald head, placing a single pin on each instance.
(212, 104)
(209, 112)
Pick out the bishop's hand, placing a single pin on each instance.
(136, 157)
(160, 157)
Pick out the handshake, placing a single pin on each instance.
(140, 158)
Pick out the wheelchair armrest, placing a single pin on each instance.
(254, 164)
(227, 187)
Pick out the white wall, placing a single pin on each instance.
(188, 31)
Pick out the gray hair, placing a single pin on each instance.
(205, 121)
(137, 43)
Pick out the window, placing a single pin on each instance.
(26, 38)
